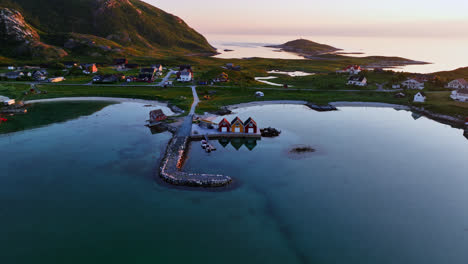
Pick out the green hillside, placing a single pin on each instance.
(128, 23)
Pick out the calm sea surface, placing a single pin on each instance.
(444, 53)
(382, 187)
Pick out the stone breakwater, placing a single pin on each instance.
(172, 164)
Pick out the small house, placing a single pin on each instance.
(419, 98)
(40, 75)
(11, 68)
(9, 102)
(185, 76)
(413, 84)
(56, 79)
(460, 95)
(357, 80)
(396, 86)
(147, 75)
(250, 126)
(458, 84)
(259, 94)
(157, 116)
(224, 126)
(14, 75)
(89, 68)
(237, 126)
(157, 67)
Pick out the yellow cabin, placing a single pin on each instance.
(237, 126)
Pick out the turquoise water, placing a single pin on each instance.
(381, 188)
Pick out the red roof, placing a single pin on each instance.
(224, 122)
(462, 82)
(353, 67)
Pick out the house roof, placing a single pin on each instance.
(353, 67)
(224, 121)
(237, 119)
(462, 82)
(250, 120)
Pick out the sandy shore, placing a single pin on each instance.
(369, 104)
(237, 106)
(336, 104)
(150, 103)
(105, 99)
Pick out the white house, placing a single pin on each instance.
(185, 76)
(419, 98)
(396, 86)
(458, 84)
(259, 94)
(413, 84)
(460, 95)
(357, 80)
(11, 67)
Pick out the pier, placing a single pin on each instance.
(171, 169)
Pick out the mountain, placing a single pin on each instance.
(305, 47)
(57, 28)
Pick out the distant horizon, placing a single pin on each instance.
(433, 18)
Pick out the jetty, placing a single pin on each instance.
(171, 169)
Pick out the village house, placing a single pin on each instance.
(40, 75)
(460, 95)
(56, 79)
(185, 76)
(357, 80)
(259, 94)
(413, 84)
(89, 68)
(11, 68)
(458, 84)
(224, 126)
(250, 126)
(420, 97)
(396, 86)
(237, 126)
(223, 77)
(158, 67)
(351, 69)
(14, 75)
(147, 74)
(157, 116)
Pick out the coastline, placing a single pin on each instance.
(104, 99)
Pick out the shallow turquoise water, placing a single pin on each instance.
(381, 188)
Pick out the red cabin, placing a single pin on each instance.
(250, 126)
(224, 126)
(3, 120)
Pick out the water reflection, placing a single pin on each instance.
(237, 143)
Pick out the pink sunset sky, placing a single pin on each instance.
(427, 18)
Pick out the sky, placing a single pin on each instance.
(426, 18)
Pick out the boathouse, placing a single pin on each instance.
(224, 126)
(157, 116)
(237, 126)
(250, 126)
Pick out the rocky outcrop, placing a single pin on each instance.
(171, 168)
(22, 39)
(321, 108)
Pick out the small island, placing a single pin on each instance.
(305, 47)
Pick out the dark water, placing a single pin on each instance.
(381, 188)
